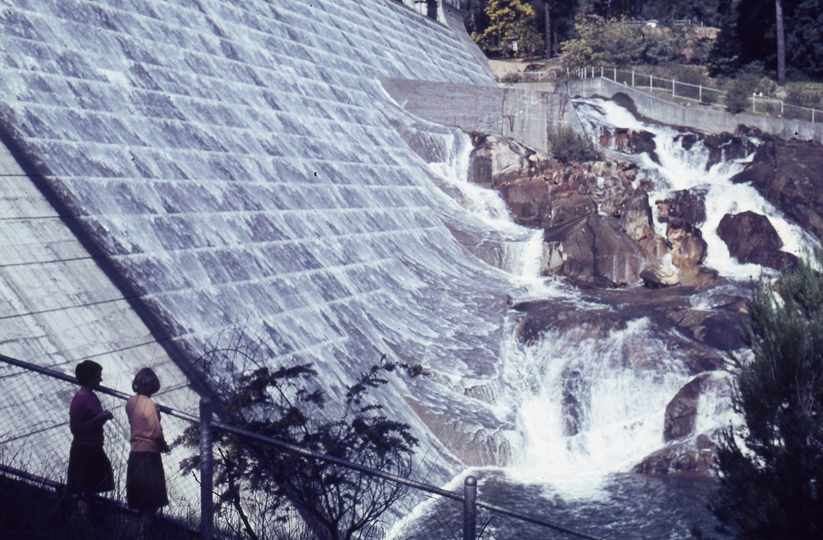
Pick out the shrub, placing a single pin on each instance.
(602, 42)
(569, 146)
(804, 97)
(770, 489)
(287, 403)
(738, 92)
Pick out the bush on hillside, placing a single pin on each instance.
(569, 146)
(739, 90)
(602, 42)
(771, 469)
(262, 483)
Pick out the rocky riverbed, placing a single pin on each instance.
(631, 256)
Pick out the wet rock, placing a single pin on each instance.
(636, 216)
(790, 175)
(688, 247)
(592, 250)
(658, 276)
(681, 412)
(576, 395)
(528, 200)
(725, 147)
(751, 238)
(496, 161)
(630, 142)
(568, 207)
(686, 205)
(678, 458)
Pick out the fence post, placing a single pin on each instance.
(601, 72)
(470, 508)
(206, 470)
(632, 78)
(812, 115)
(674, 82)
(615, 74)
(651, 83)
(754, 109)
(781, 107)
(700, 93)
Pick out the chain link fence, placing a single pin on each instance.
(35, 440)
(35, 436)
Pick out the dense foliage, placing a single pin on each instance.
(260, 481)
(569, 146)
(511, 30)
(747, 31)
(771, 485)
(602, 42)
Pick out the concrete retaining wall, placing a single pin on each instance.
(696, 117)
(526, 116)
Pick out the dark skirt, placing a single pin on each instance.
(146, 481)
(89, 470)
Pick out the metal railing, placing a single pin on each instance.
(208, 528)
(699, 93)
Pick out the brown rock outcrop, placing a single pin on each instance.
(790, 175)
(679, 458)
(751, 238)
(593, 250)
(528, 200)
(725, 146)
(497, 161)
(636, 216)
(688, 246)
(686, 205)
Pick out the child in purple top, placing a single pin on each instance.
(89, 467)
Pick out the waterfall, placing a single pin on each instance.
(590, 399)
(680, 169)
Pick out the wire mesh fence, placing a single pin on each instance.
(35, 437)
(35, 441)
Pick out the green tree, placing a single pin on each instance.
(511, 30)
(602, 42)
(287, 403)
(772, 486)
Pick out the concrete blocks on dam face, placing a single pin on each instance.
(527, 116)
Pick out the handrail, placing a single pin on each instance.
(310, 453)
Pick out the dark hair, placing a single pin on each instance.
(146, 382)
(87, 370)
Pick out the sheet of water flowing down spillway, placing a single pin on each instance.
(177, 173)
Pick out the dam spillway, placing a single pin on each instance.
(227, 166)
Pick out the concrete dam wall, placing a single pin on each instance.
(184, 169)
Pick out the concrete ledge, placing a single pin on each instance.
(697, 117)
(527, 116)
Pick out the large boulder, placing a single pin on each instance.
(594, 250)
(790, 175)
(680, 458)
(751, 238)
(636, 216)
(686, 205)
(656, 276)
(568, 206)
(528, 201)
(681, 412)
(496, 161)
(725, 147)
(630, 142)
(688, 247)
